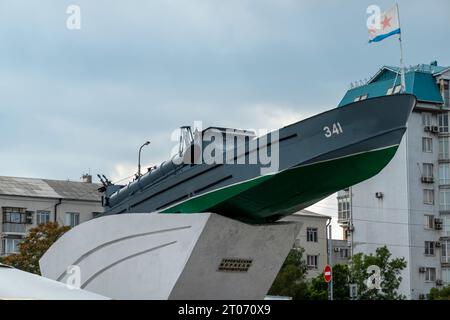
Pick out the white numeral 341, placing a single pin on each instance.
(335, 129)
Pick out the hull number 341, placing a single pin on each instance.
(334, 129)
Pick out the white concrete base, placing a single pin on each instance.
(172, 256)
(20, 285)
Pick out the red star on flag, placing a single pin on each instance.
(386, 22)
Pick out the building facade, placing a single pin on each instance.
(313, 238)
(28, 202)
(407, 205)
(340, 252)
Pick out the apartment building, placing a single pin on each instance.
(313, 238)
(340, 252)
(407, 205)
(28, 202)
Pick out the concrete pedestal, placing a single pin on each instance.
(172, 256)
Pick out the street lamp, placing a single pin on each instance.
(139, 158)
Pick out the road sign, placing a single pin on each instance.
(327, 273)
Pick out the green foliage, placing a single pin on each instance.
(318, 288)
(290, 281)
(33, 247)
(390, 270)
(439, 294)
(291, 278)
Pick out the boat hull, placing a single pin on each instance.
(269, 198)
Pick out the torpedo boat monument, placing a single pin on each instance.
(205, 224)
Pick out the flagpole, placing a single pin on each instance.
(402, 67)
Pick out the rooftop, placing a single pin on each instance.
(54, 189)
(307, 213)
(419, 80)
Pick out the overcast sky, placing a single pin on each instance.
(80, 100)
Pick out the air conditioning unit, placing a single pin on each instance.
(435, 129)
(425, 179)
(439, 282)
(336, 249)
(422, 296)
(422, 269)
(29, 217)
(379, 195)
(427, 128)
(437, 244)
(438, 223)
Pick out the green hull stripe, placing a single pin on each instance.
(269, 197)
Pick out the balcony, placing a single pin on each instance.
(343, 217)
(444, 157)
(445, 260)
(19, 228)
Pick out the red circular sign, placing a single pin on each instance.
(327, 273)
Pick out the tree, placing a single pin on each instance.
(33, 247)
(318, 288)
(359, 272)
(290, 281)
(390, 279)
(439, 294)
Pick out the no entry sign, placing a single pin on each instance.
(327, 273)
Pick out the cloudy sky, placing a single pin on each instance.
(80, 100)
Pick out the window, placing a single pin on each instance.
(444, 200)
(311, 234)
(430, 274)
(429, 221)
(443, 122)
(443, 148)
(427, 145)
(446, 225)
(427, 170)
(72, 219)
(311, 261)
(343, 253)
(445, 251)
(444, 173)
(359, 98)
(11, 245)
(343, 208)
(428, 196)
(14, 215)
(394, 90)
(446, 275)
(429, 248)
(446, 93)
(42, 217)
(426, 119)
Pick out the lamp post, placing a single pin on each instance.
(139, 158)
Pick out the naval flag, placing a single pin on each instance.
(389, 24)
